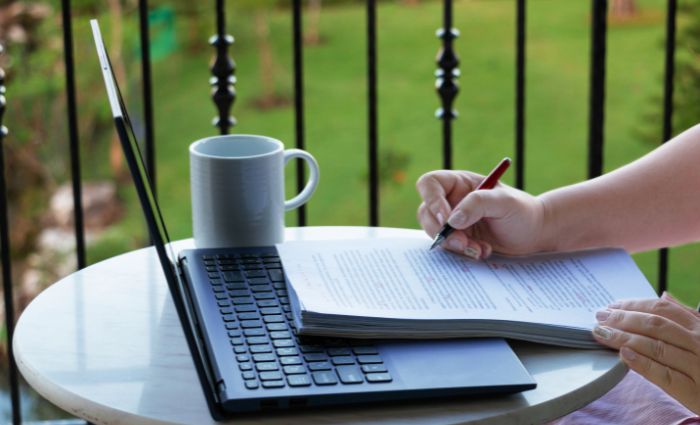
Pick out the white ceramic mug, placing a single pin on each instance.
(237, 184)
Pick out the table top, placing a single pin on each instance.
(105, 344)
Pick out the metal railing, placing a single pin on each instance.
(224, 95)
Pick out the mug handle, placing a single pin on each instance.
(311, 184)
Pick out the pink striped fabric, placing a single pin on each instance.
(633, 401)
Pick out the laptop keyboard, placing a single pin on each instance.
(254, 305)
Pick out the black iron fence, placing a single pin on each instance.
(224, 95)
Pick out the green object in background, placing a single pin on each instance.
(161, 24)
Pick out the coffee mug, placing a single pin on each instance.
(237, 184)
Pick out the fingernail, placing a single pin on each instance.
(456, 245)
(603, 332)
(602, 315)
(457, 219)
(627, 353)
(440, 218)
(615, 305)
(472, 253)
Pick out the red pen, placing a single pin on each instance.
(488, 183)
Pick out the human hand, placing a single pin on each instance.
(502, 219)
(660, 340)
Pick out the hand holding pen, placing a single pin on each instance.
(504, 220)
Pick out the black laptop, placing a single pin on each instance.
(234, 309)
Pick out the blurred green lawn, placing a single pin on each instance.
(557, 107)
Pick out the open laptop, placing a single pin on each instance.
(233, 306)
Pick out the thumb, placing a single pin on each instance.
(480, 204)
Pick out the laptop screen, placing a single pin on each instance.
(119, 112)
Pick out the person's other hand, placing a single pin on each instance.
(660, 340)
(502, 219)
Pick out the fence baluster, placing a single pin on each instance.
(446, 83)
(223, 70)
(7, 263)
(372, 112)
(147, 94)
(299, 100)
(73, 132)
(520, 96)
(667, 131)
(597, 88)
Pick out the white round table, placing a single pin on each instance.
(105, 344)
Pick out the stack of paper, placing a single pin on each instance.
(397, 288)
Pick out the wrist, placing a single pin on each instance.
(548, 234)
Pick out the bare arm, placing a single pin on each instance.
(649, 203)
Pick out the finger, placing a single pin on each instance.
(650, 325)
(676, 384)
(481, 204)
(428, 221)
(676, 358)
(459, 243)
(661, 307)
(433, 187)
(667, 296)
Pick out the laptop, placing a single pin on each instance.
(233, 306)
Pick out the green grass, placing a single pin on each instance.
(336, 115)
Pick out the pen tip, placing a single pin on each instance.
(438, 240)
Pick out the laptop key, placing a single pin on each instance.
(268, 303)
(294, 370)
(218, 288)
(350, 374)
(223, 303)
(292, 360)
(256, 340)
(324, 378)
(288, 351)
(239, 349)
(306, 348)
(265, 357)
(274, 327)
(213, 275)
(253, 315)
(251, 385)
(273, 384)
(264, 295)
(232, 325)
(254, 332)
(233, 277)
(229, 317)
(256, 324)
(255, 273)
(237, 341)
(314, 357)
(234, 286)
(284, 300)
(276, 275)
(245, 308)
(279, 285)
(260, 288)
(282, 293)
(270, 376)
(280, 334)
(245, 366)
(299, 380)
(274, 318)
(234, 333)
(343, 360)
(279, 343)
(339, 351)
(266, 366)
(378, 377)
(242, 300)
(238, 293)
(370, 368)
(270, 310)
(363, 359)
(226, 310)
(248, 375)
(221, 295)
(319, 366)
(364, 350)
(252, 266)
(255, 349)
(243, 358)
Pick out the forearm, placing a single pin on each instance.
(650, 203)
